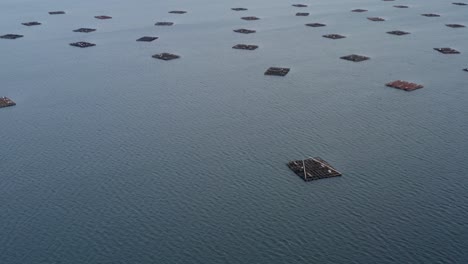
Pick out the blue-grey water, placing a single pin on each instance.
(111, 156)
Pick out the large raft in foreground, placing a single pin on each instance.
(313, 169)
(5, 102)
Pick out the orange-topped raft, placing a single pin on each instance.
(403, 85)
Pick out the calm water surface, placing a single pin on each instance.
(111, 156)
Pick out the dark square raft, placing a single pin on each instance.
(177, 12)
(147, 39)
(245, 47)
(334, 36)
(359, 10)
(447, 50)
(239, 9)
(103, 17)
(82, 44)
(84, 30)
(398, 32)
(313, 169)
(460, 4)
(166, 56)
(430, 15)
(455, 25)
(56, 12)
(6, 102)
(299, 5)
(29, 24)
(277, 71)
(250, 18)
(376, 19)
(403, 85)
(355, 58)
(244, 31)
(11, 36)
(164, 23)
(315, 25)
(302, 14)
(400, 6)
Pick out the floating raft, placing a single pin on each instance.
(315, 25)
(355, 58)
(147, 39)
(302, 14)
(34, 23)
(460, 4)
(84, 30)
(334, 36)
(56, 12)
(455, 25)
(164, 23)
(398, 32)
(245, 47)
(359, 10)
(177, 12)
(376, 19)
(403, 85)
(6, 102)
(447, 50)
(400, 6)
(239, 9)
(277, 71)
(166, 56)
(82, 44)
(244, 31)
(430, 15)
(313, 169)
(11, 36)
(103, 17)
(299, 5)
(250, 18)
(466, 69)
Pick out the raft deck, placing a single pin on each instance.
(313, 169)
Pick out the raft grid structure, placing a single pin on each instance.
(166, 56)
(355, 58)
(147, 39)
(277, 71)
(404, 85)
(82, 44)
(313, 169)
(447, 50)
(244, 31)
(334, 36)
